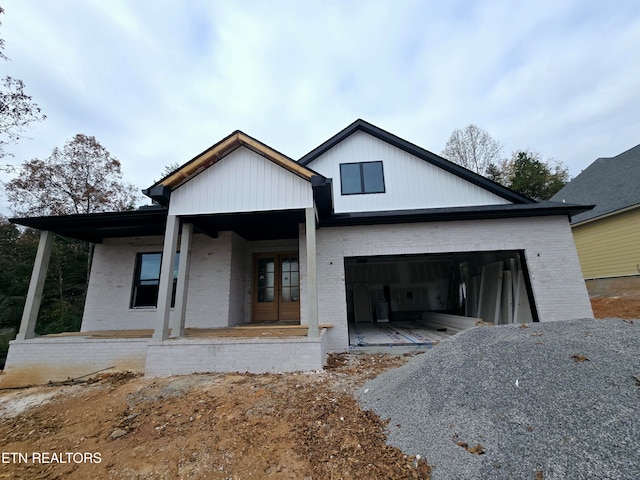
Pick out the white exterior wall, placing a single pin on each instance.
(112, 273)
(255, 355)
(242, 181)
(240, 264)
(552, 260)
(43, 359)
(409, 181)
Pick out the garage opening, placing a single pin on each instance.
(421, 299)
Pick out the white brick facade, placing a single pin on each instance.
(255, 355)
(107, 306)
(39, 360)
(556, 279)
(220, 283)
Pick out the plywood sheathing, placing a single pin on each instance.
(217, 152)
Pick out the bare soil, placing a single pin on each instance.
(623, 306)
(218, 426)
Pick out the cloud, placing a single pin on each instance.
(159, 81)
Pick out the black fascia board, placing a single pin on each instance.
(483, 212)
(419, 152)
(160, 194)
(94, 227)
(322, 194)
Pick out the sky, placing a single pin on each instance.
(159, 81)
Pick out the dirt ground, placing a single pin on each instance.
(624, 306)
(218, 426)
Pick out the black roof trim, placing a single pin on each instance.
(151, 221)
(419, 152)
(94, 227)
(483, 212)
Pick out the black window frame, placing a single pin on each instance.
(137, 282)
(363, 188)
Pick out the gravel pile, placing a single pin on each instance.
(557, 400)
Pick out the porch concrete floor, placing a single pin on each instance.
(252, 330)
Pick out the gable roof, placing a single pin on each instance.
(204, 160)
(611, 184)
(427, 156)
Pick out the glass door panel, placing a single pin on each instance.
(276, 287)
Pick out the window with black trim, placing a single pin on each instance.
(147, 280)
(361, 177)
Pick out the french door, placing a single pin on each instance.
(276, 287)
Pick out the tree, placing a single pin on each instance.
(82, 177)
(63, 295)
(494, 173)
(529, 175)
(472, 148)
(168, 169)
(17, 109)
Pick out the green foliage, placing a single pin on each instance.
(527, 174)
(494, 173)
(65, 286)
(17, 252)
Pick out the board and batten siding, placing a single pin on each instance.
(242, 181)
(410, 182)
(609, 247)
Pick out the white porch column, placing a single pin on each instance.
(177, 322)
(312, 292)
(166, 277)
(36, 286)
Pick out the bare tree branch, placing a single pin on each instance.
(473, 148)
(82, 177)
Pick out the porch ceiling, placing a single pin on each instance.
(95, 227)
(268, 225)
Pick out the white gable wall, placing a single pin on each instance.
(242, 181)
(410, 182)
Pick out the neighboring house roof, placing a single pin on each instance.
(427, 156)
(612, 184)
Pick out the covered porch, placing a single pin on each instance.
(163, 339)
(231, 240)
(248, 348)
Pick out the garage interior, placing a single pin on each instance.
(421, 299)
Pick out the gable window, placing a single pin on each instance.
(147, 280)
(362, 177)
